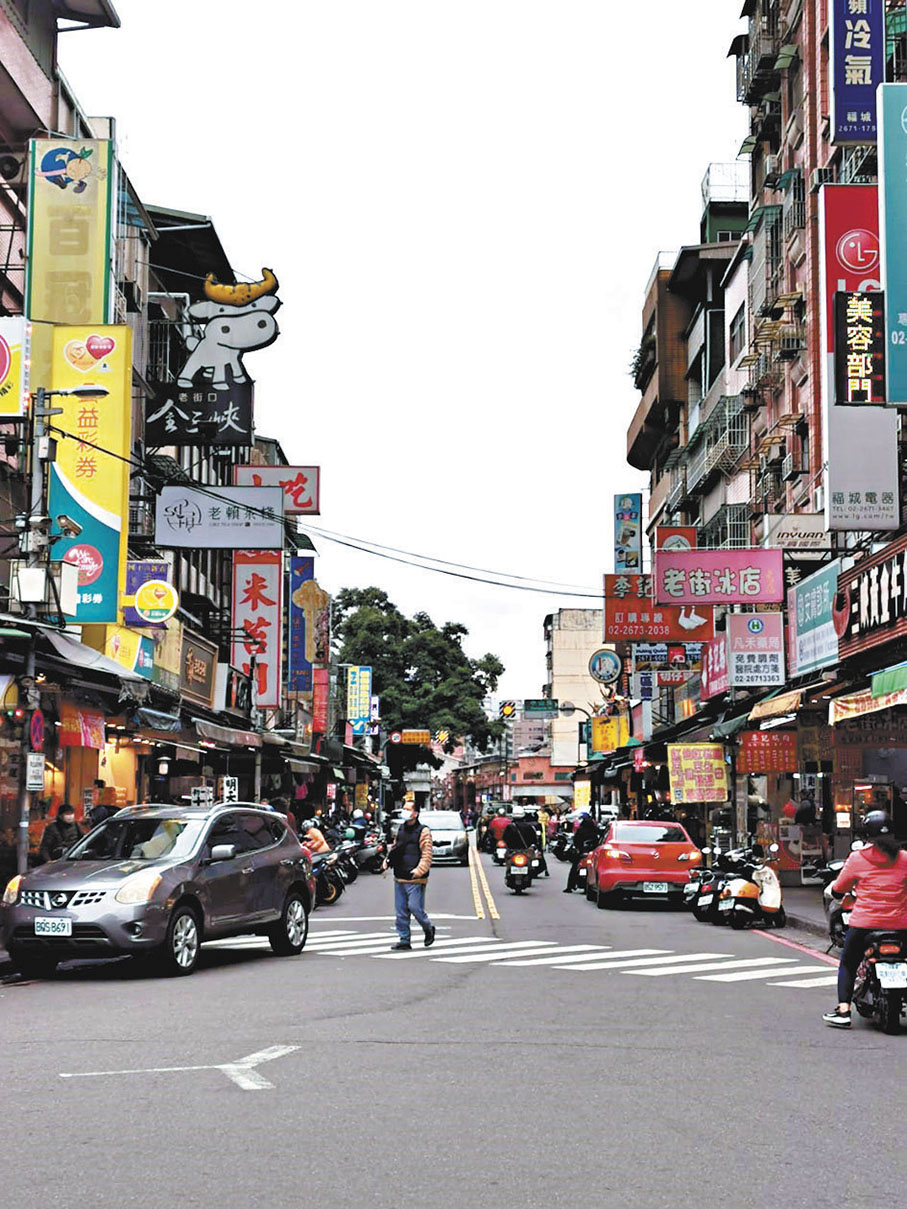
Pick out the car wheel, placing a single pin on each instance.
(464, 860)
(34, 967)
(288, 936)
(605, 901)
(179, 955)
(589, 891)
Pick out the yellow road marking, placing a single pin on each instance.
(476, 896)
(492, 909)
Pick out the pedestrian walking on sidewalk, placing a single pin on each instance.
(410, 860)
(60, 835)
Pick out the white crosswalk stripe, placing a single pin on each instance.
(785, 972)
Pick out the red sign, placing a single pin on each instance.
(767, 751)
(676, 537)
(632, 615)
(321, 685)
(36, 731)
(871, 605)
(704, 577)
(715, 678)
(257, 621)
(850, 224)
(81, 727)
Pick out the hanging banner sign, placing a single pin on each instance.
(221, 518)
(698, 772)
(89, 481)
(198, 669)
(857, 52)
(799, 531)
(359, 694)
(321, 679)
(767, 751)
(257, 622)
(755, 649)
(81, 727)
(859, 347)
(301, 485)
(70, 212)
(631, 614)
(719, 576)
(628, 532)
(309, 625)
(892, 152)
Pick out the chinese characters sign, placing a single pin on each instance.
(719, 576)
(359, 697)
(767, 751)
(892, 219)
(755, 649)
(137, 574)
(871, 606)
(301, 485)
(70, 203)
(609, 733)
(15, 362)
(698, 772)
(857, 35)
(631, 613)
(715, 678)
(859, 347)
(257, 622)
(653, 656)
(221, 518)
(200, 415)
(628, 532)
(321, 678)
(310, 625)
(87, 483)
(198, 669)
(811, 635)
(81, 727)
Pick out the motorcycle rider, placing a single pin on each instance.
(313, 838)
(520, 834)
(585, 838)
(497, 827)
(879, 871)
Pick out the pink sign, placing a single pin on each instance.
(719, 576)
(257, 621)
(714, 668)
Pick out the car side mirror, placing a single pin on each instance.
(223, 852)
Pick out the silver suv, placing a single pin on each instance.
(160, 880)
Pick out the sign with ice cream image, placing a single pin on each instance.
(310, 625)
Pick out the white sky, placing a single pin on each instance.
(463, 202)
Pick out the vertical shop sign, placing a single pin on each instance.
(15, 362)
(755, 649)
(857, 49)
(309, 625)
(698, 772)
(257, 627)
(892, 153)
(359, 698)
(811, 633)
(859, 347)
(89, 481)
(70, 210)
(321, 679)
(628, 532)
(715, 678)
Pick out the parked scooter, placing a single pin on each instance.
(753, 895)
(837, 910)
(881, 986)
(562, 846)
(329, 884)
(698, 876)
(713, 881)
(371, 853)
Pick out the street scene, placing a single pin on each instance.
(453, 603)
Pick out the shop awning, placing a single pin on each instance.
(226, 734)
(306, 766)
(153, 719)
(78, 653)
(775, 706)
(725, 730)
(858, 704)
(270, 739)
(891, 680)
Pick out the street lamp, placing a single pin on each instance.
(35, 545)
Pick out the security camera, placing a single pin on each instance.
(70, 527)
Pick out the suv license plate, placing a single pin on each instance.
(45, 926)
(892, 975)
(655, 887)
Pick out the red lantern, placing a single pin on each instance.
(789, 809)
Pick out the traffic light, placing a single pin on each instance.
(507, 710)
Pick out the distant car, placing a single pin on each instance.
(449, 840)
(641, 858)
(161, 880)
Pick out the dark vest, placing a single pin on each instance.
(407, 852)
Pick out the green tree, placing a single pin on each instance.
(421, 672)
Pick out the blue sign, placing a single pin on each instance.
(628, 532)
(893, 232)
(857, 31)
(299, 667)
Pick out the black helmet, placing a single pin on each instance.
(877, 822)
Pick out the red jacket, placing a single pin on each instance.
(881, 888)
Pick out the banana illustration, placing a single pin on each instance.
(242, 294)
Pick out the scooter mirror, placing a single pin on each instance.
(857, 845)
(773, 848)
(706, 851)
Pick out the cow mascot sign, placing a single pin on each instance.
(211, 401)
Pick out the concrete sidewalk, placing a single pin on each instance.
(803, 906)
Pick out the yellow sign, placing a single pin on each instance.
(417, 736)
(582, 795)
(70, 205)
(361, 795)
(155, 601)
(128, 647)
(609, 733)
(698, 772)
(89, 481)
(168, 651)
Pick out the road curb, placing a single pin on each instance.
(807, 925)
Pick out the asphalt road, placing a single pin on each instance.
(380, 1081)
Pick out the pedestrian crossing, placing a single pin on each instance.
(701, 966)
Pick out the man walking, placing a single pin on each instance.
(60, 835)
(410, 859)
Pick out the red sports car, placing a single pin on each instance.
(645, 858)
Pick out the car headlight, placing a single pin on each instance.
(11, 893)
(139, 888)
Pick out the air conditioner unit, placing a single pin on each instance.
(819, 177)
(789, 469)
(772, 170)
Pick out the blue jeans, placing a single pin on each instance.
(409, 899)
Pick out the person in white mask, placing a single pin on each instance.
(410, 859)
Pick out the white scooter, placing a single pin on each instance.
(754, 896)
